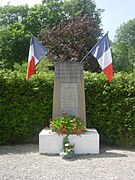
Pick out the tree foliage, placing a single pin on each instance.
(13, 44)
(82, 8)
(124, 47)
(18, 22)
(71, 39)
(12, 14)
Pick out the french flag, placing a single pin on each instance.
(101, 51)
(36, 52)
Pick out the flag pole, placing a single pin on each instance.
(92, 48)
(56, 61)
(85, 56)
(52, 56)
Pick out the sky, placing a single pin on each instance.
(116, 12)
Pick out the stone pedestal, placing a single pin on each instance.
(51, 143)
(69, 94)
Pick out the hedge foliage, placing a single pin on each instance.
(111, 107)
(26, 107)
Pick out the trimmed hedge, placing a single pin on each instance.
(26, 107)
(111, 107)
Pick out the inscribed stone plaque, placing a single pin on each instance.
(69, 98)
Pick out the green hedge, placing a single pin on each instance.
(26, 107)
(111, 107)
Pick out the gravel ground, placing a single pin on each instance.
(24, 162)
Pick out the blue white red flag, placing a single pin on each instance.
(36, 52)
(101, 51)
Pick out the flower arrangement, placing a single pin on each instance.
(68, 149)
(67, 124)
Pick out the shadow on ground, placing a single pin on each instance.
(19, 149)
(105, 151)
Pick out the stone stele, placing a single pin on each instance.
(69, 94)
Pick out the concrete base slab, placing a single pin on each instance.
(51, 143)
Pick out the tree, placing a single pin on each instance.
(75, 36)
(16, 25)
(124, 47)
(81, 8)
(44, 16)
(11, 14)
(70, 40)
(20, 21)
(14, 43)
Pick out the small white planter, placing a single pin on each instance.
(51, 143)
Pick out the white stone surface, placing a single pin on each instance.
(51, 143)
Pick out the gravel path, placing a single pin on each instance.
(24, 162)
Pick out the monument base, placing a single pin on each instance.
(51, 143)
